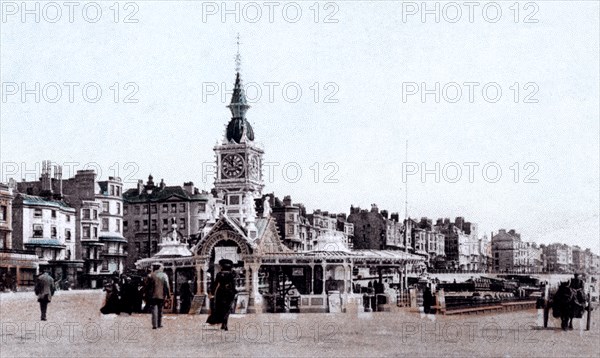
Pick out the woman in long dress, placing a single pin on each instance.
(113, 296)
(223, 290)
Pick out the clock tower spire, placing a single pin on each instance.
(239, 159)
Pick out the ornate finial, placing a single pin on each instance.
(238, 57)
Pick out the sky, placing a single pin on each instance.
(339, 90)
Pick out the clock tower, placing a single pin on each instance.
(239, 159)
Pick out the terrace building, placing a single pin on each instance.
(150, 211)
(559, 258)
(462, 245)
(46, 227)
(97, 235)
(301, 231)
(17, 266)
(374, 230)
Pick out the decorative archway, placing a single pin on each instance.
(211, 241)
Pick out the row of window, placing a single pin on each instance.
(142, 250)
(89, 214)
(51, 254)
(104, 227)
(153, 223)
(104, 266)
(115, 190)
(166, 208)
(38, 213)
(38, 231)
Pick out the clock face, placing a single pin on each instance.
(254, 167)
(232, 165)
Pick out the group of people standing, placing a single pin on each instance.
(123, 295)
(7, 282)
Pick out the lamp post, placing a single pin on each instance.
(149, 191)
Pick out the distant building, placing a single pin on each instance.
(427, 241)
(580, 261)
(559, 258)
(594, 263)
(510, 253)
(47, 226)
(98, 218)
(6, 198)
(374, 230)
(462, 245)
(301, 231)
(17, 266)
(150, 211)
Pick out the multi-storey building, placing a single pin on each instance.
(510, 253)
(595, 264)
(462, 245)
(301, 231)
(47, 226)
(150, 211)
(6, 198)
(485, 250)
(97, 236)
(292, 222)
(580, 264)
(17, 266)
(325, 224)
(559, 257)
(111, 236)
(373, 229)
(427, 241)
(504, 245)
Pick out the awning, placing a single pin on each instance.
(45, 243)
(112, 237)
(21, 260)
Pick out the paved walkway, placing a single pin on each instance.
(75, 328)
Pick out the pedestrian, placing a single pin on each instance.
(113, 296)
(186, 296)
(427, 299)
(223, 290)
(11, 283)
(128, 293)
(44, 289)
(159, 289)
(576, 283)
(147, 289)
(2, 282)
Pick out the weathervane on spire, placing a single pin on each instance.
(238, 57)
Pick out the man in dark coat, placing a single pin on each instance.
(223, 290)
(44, 289)
(186, 296)
(427, 299)
(576, 282)
(159, 289)
(562, 305)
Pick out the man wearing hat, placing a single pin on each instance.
(159, 289)
(223, 290)
(44, 289)
(576, 282)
